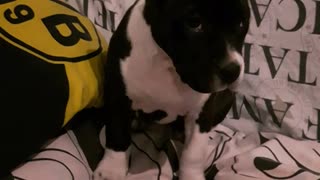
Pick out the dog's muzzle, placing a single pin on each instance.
(227, 77)
(230, 72)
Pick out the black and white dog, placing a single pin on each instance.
(170, 59)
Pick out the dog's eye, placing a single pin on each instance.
(241, 28)
(241, 25)
(194, 23)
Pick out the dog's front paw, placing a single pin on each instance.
(109, 172)
(113, 166)
(191, 174)
(191, 170)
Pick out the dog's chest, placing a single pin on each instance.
(153, 84)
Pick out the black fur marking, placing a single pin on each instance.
(178, 125)
(178, 129)
(151, 117)
(143, 121)
(117, 109)
(215, 110)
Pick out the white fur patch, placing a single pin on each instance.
(113, 166)
(194, 154)
(152, 82)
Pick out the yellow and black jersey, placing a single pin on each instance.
(51, 62)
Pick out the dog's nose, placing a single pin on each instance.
(230, 72)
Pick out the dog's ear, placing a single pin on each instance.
(148, 11)
(159, 3)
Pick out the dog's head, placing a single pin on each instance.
(203, 38)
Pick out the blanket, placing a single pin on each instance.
(271, 132)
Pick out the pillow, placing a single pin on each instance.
(51, 57)
(50, 46)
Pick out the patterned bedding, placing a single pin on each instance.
(271, 132)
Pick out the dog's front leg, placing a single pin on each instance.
(193, 158)
(114, 164)
(197, 127)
